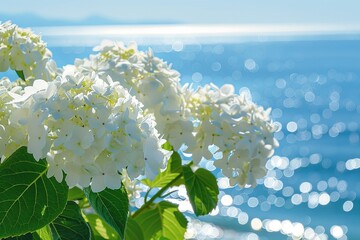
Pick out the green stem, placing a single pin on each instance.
(146, 195)
(167, 194)
(157, 195)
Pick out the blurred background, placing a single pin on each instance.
(85, 12)
(301, 58)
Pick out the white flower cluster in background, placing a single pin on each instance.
(234, 126)
(134, 187)
(89, 129)
(148, 78)
(22, 50)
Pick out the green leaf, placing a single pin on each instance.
(20, 74)
(40, 234)
(70, 224)
(162, 221)
(172, 170)
(27, 236)
(167, 146)
(174, 165)
(133, 231)
(43, 233)
(112, 206)
(100, 228)
(75, 193)
(202, 189)
(29, 200)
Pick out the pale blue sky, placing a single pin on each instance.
(340, 12)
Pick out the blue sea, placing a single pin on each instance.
(312, 84)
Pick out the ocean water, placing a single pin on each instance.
(312, 188)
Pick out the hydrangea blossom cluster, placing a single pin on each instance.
(211, 116)
(11, 137)
(21, 50)
(235, 127)
(95, 120)
(88, 128)
(151, 80)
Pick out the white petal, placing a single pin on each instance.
(97, 184)
(112, 181)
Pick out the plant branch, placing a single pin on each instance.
(167, 194)
(157, 195)
(146, 195)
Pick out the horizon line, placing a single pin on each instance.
(193, 33)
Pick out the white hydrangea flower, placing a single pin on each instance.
(22, 50)
(105, 175)
(11, 136)
(150, 80)
(86, 127)
(134, 187)
(221, 117)
(241, 131)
